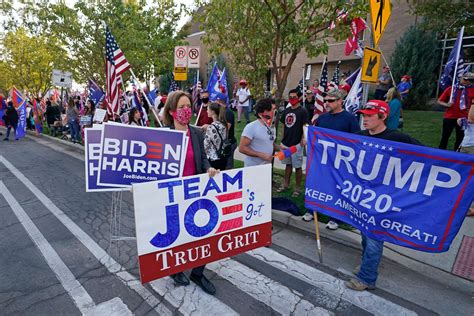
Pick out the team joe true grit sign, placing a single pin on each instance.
(188, 222)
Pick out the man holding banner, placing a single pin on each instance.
(374, 116)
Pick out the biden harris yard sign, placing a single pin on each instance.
(409, 195)
(188, 222)
(134, 154)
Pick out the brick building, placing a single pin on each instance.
(399, 22)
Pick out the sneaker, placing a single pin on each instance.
(357, 285)
(308, 217)
(332, 225)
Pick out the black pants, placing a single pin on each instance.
(448, 126)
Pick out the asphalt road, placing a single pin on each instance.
(56, 257)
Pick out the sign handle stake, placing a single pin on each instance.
(318, 237)
(146, 98)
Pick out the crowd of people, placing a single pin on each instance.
(213, 140)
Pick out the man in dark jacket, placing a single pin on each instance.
(52, 115)
(11, 120)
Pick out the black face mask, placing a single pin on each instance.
(205, 100)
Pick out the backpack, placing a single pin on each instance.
(225, 149)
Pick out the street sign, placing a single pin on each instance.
(194, 56)
(62, 78)
(180, 73)
(370, 65)
(180, 56)
(380, 13)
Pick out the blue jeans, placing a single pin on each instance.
(371, 256)
(75, 130)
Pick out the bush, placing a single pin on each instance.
(417, 55)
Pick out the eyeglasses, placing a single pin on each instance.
(267, 117)
(330, 100)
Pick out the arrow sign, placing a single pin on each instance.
(370, 65)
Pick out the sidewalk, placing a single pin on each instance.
(436, 266)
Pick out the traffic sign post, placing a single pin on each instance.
(380, 12)
(194, 56)
(180, 73)
(61, 78)
(370, 65)
(180, 56)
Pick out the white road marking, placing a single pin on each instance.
(370, 302)
(101, 255)
(191, 299)
(277, 296)
(76, 291)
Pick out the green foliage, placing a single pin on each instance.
(144, 31)
(259, 35)
(417, 55)
(442, 16)
(28, 61)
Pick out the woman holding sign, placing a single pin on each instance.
(177, 115)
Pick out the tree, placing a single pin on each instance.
(145, 32)
(417, 55)
(28, 61)
(259, 35)
(443, 16)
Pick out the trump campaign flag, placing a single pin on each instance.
(188, 222)
(217, 85)
(96, 94)
(409, 195)
(3, 108)
(19, 102)
(454, 66)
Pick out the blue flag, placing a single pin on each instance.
(96, 94)
(152, 96)
(21, 128)
(455, 57)
(409, 195)
(217, 85)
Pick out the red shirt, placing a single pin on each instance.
(454, 112)
(203, 118)
(189, 166)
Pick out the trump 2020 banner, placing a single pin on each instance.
(92, 150)
(134, 154)
(409, 195)
(188, 222)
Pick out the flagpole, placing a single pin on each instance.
(457, 63)
(146, 99)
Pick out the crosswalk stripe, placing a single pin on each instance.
(365, 300)
(190, 299)
(100, 254)
(277, 296)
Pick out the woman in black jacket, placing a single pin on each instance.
(177, 115)
(11, 120)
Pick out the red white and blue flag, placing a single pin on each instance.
(116, 65)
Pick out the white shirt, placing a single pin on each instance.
(157, 102)
(242, 94)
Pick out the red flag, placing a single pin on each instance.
(357, 26)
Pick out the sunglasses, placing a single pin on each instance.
(266, 117)
(330, 100)
(270, 134)
(374, 107)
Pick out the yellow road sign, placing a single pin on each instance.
(370, 65)
(180, 73)
(380, 11)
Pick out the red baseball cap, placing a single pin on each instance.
(243, 82)
(374, 107)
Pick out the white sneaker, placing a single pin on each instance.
(332, 225)
(308, 217)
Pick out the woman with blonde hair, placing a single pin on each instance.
(395, 104)
(177, 115)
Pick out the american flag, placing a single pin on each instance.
(173, 84)
(341, 15)
(196, 91)
(335, 77)
(323, 82)
(116, 65)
